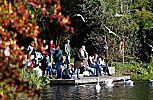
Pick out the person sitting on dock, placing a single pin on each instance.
(93, 64)
(67, 72)
(103, 65)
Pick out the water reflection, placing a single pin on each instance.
(140, 91)
(59, 92)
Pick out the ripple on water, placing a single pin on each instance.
(140, 91)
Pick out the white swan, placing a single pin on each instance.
(98, 87)
(109, 83)
(127, 82)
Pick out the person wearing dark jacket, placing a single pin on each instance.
(58, 61)
(78, 61)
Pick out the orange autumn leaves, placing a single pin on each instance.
(54, 14)
(19, 19)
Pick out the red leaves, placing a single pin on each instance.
(72, 29)
(43, 11)
(67, 28)
(24, 22)
(51, 18)
(49, 1)
(33, 4)
(31, 1)
(1, 21)
(36, 32)
(19, 1)
(6, 22)
(23, 11)
(1, 32)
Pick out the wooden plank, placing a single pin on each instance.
(86, 80)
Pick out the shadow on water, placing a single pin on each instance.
(141, 90)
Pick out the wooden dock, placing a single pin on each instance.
(86, 80)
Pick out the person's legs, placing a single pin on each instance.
(97, 71)
(90, 71)
(78, 73)
(81, 70)
(96, 66)
(105, 69)
(69, 58)
(100, 70)
(50, 72)
(58, 68)
(74, 70)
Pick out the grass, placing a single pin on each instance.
(32, 76)
(137, 71)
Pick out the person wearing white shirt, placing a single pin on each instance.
(68, 49)
(30, 48)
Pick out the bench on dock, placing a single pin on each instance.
(88, 80)
(111, 70)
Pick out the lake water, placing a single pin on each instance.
(141, 90)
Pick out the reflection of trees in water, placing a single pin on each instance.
(140, 91)
(120, 94)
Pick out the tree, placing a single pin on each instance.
(143, 17)
(18, 18)
(13, 20)
(124, 17)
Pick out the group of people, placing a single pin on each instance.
(85, 62)
(48, 58)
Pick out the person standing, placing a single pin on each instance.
(30, 48)
(68, 49)
(51, 51)
(52, 45)
(84, 53)
(49, 67)
(44, 48)
(78, 61)
(58, 58)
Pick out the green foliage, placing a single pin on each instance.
(52, 24)
(135, 26)
(137, 70)
(72, 60)
(33, 77)
(141, 10)
(21, 20)
(144, 18)
(45, 80)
